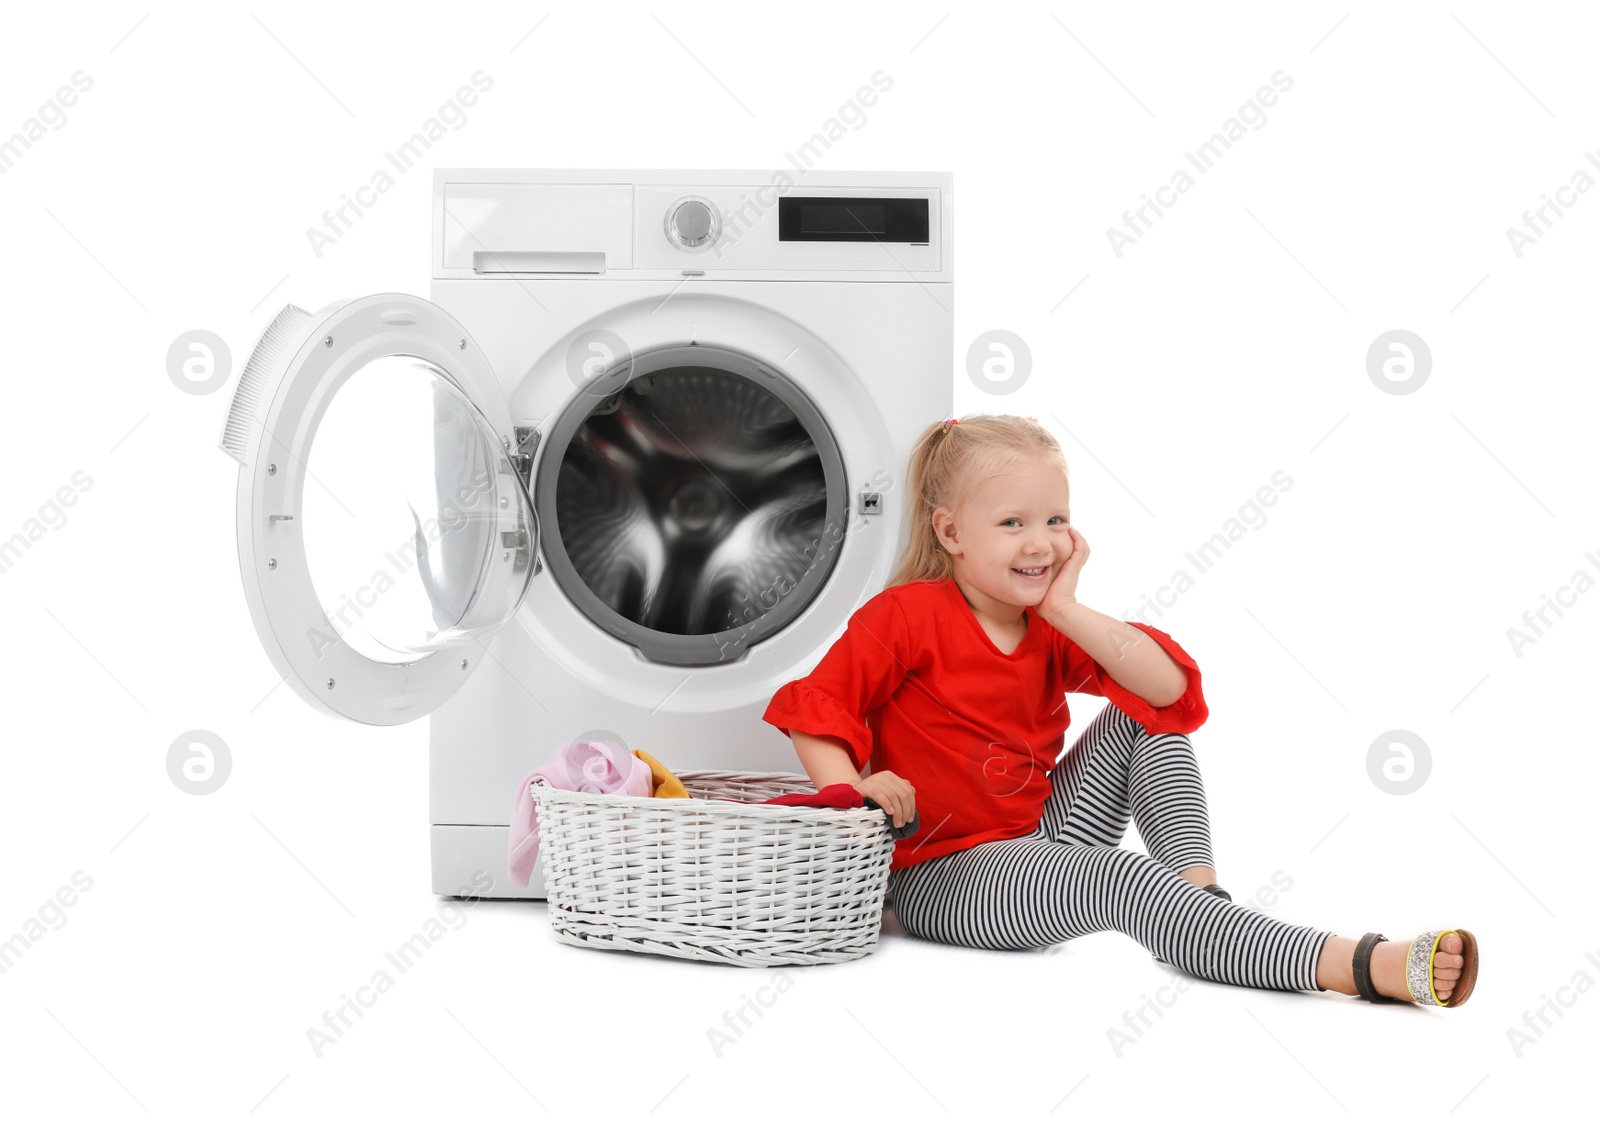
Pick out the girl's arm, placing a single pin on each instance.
(825, 759)
(830, 705)
(1127, 653)
(828, 761)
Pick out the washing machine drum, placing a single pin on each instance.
(698, 505)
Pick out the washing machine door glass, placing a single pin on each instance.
(413, 534)
(384, 532)
(694, 501)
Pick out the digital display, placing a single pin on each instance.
(829, 218)
(842, 219)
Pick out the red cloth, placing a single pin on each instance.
(842, 795)
(972, 728)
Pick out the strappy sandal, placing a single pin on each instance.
(1419, 968)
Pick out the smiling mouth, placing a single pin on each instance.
(1031, 572)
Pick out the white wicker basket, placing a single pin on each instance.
(701, 878)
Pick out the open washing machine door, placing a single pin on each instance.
(384, 532)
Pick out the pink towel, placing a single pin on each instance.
(593, 766)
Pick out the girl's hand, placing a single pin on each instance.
(894, 794)
(1063, 590)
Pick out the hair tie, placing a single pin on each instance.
(948, 423)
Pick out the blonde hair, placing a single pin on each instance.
(947, 463)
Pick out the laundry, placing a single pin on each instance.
(597, 767)
(667, 784)
(841, 795)
(846, 796)
(591, 766)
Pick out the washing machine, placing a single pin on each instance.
(629, 468)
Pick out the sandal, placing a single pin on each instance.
(1419, 968)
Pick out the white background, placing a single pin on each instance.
(1229, 343)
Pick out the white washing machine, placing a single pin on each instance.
(630, 468)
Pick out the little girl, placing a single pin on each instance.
(952, 683)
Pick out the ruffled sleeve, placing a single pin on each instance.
(859, 672)
(1085, 675)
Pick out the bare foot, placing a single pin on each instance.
(1199, 875)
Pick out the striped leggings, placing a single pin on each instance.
(1069, 877)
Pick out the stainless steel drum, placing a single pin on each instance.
(700, 502)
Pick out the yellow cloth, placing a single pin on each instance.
(667, 784)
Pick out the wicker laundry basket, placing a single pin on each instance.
(701, 878)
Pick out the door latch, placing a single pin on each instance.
(521, 455)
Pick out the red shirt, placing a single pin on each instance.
(974, 729)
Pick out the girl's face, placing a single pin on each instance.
(1011, 523)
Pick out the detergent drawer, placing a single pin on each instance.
(538, 228)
